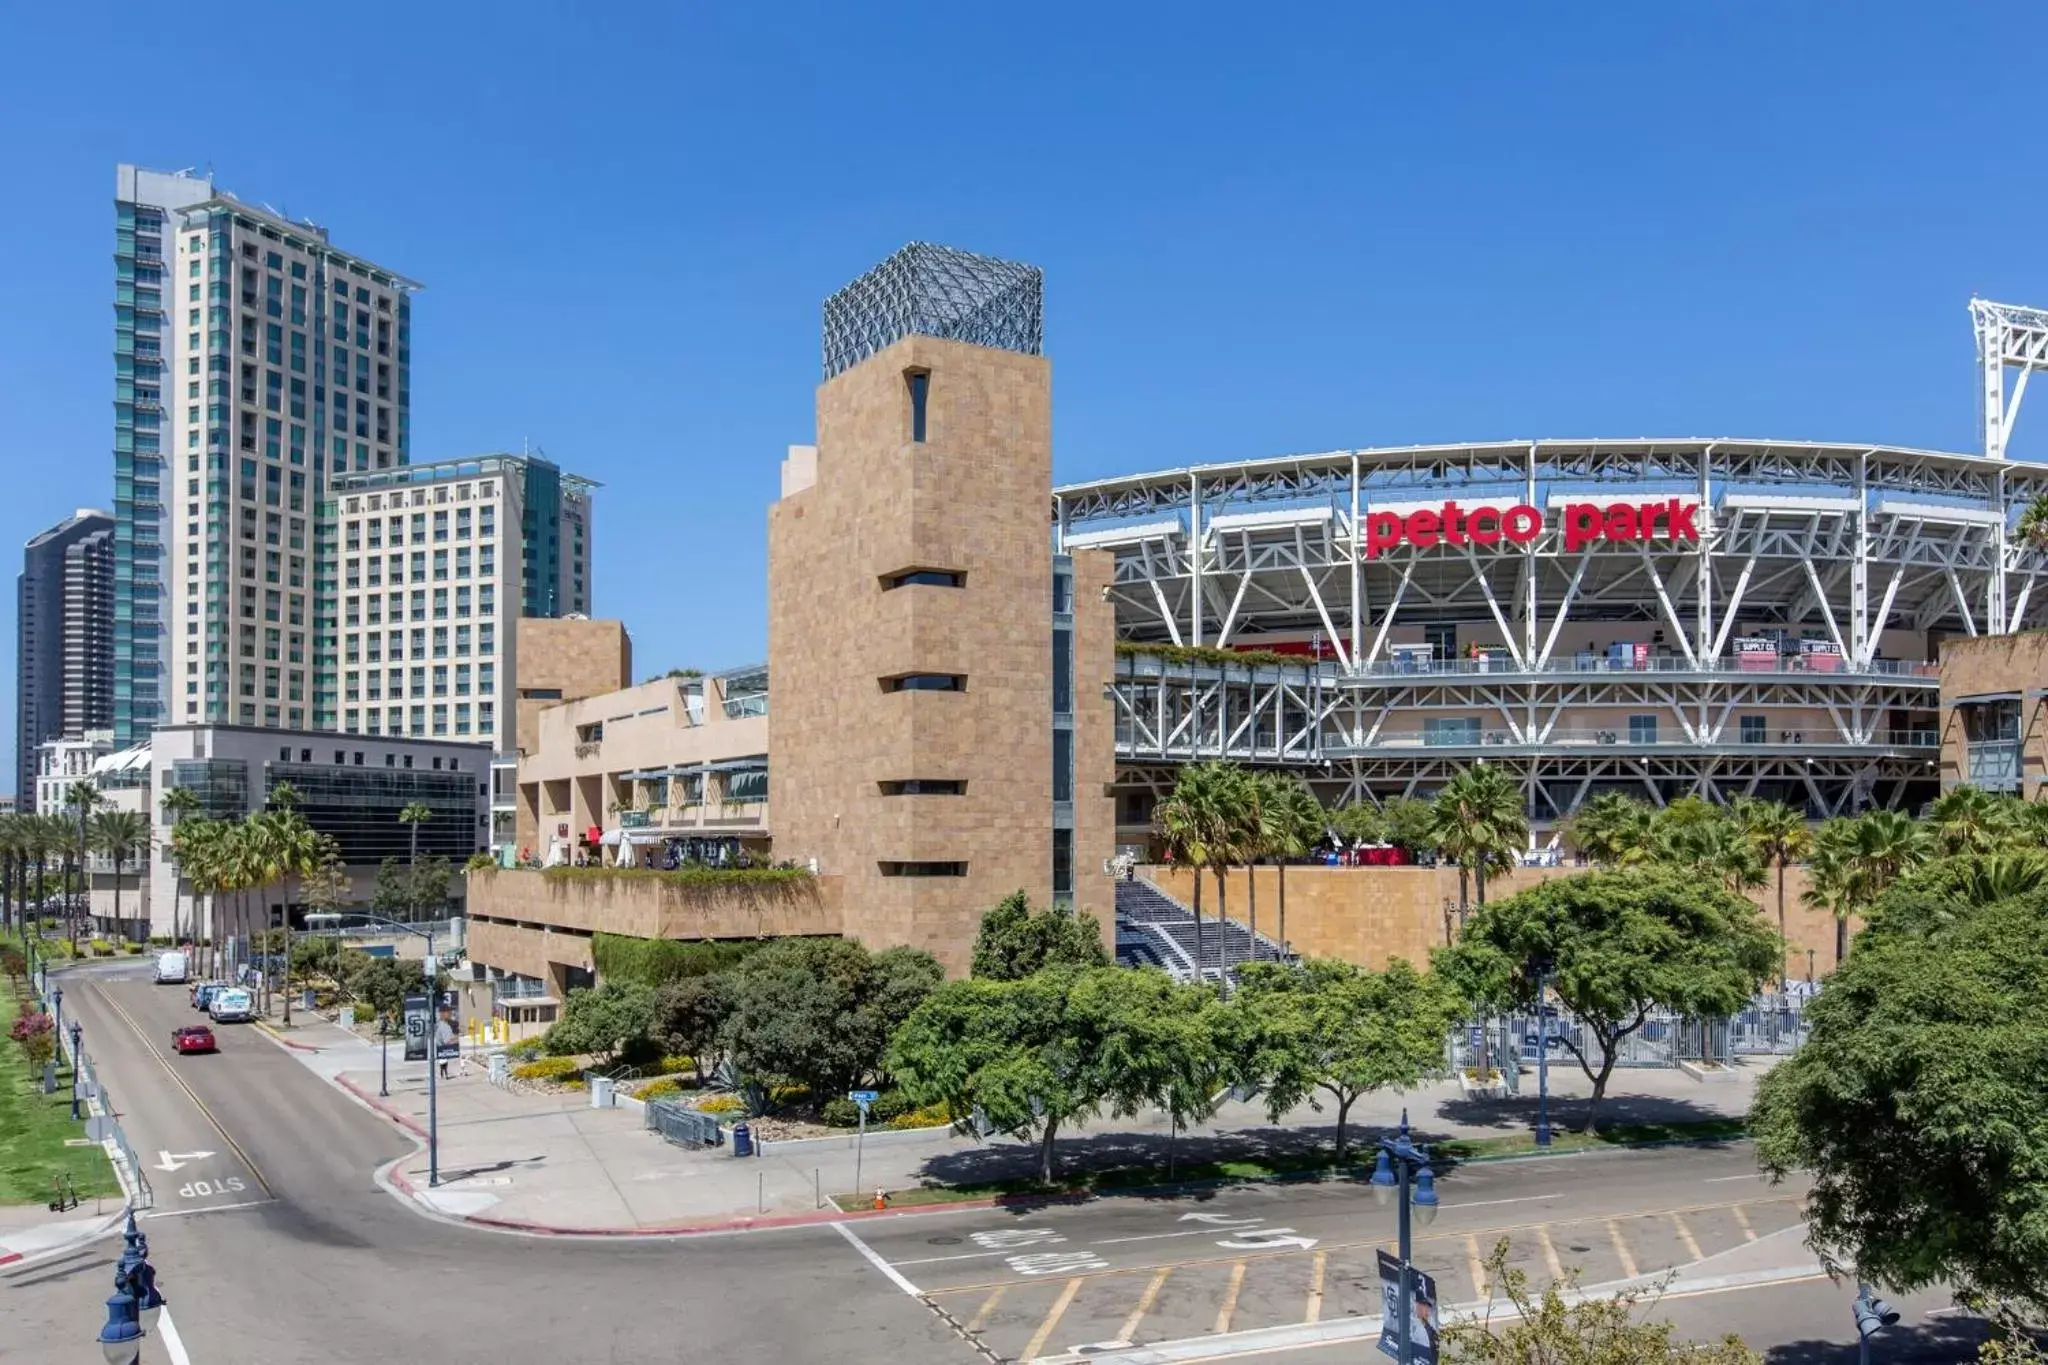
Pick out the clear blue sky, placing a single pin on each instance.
(1263, 231)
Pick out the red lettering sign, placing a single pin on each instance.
(1583, 523)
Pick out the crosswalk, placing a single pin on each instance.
(1042, 1310)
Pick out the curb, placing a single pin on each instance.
(87, 1234)
(402, 1119)
(279, 1038)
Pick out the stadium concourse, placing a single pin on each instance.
(1719, 617)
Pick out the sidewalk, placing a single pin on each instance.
(549, 1162)
(30, 1230)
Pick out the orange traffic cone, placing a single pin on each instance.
(881, 1199)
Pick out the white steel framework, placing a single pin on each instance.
(1872, 551)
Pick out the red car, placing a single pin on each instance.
(193, 1038)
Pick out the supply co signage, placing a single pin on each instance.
(1583, 523)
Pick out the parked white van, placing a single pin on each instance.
(171, 969)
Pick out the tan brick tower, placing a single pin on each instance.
(910, 614)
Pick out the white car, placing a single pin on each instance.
(231, 1005)
(172, 968)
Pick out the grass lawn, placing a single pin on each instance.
(1309, 1166)
(34, 1126)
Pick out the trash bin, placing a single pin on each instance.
(602, 1093)
(742, 1140)
(306, 1000)
(501, 1068)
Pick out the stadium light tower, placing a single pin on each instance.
(2008, 337)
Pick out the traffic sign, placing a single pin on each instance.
(863, 1096)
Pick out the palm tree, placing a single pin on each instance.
(1780, 836)
(178, 805)
(2030, 824)
(288, 848)
(1968, 819)
(1722, 849)
(1479, 824)
(1856, 859)
(1614, 829)
(13, 863)
(412, 817)
(2033, 523)
(1254, 840)
(1295, 820)
(200, 843)
(1195, 824)
(81, 798)
(120, 834)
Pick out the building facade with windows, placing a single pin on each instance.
(351, 787)
(426, 572)
(290, 364)
(64, 646)
(62, 762)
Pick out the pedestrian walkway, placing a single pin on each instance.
(540, 1160)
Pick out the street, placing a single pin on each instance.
(275, 1243)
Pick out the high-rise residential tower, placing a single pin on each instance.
(291, 362)
(147, 359)
(65, 647)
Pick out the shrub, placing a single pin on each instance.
(931, 1116)
(31, 1025)
(610, 1021)
(658, 961)
(13, 964)
(659, 1089)
(721, 1104)
(549, 1069)
(525, 1052)
(40, 1049)
(101, 947)
(889, 1108)
(481, 862)
(840, 1113)
(675, 1066)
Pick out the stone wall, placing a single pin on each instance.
(651, 906)
(1989, 665)
(1368, 915)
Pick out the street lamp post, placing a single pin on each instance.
(433, 1050)
(135, 1305)
(1403, 1168)
(77, 1065)
(1872, 1315)
(384, 1055)
(57, 1008)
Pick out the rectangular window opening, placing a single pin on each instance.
(926, 682)
(920, 388)
(925, 786)
(924, 869)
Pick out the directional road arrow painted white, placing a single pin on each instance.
(1267, 1239)
(1220, 1220)
(172, 1161)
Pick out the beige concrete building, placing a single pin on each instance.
(1993, 732)
(932, 708)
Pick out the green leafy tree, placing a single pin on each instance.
(1331, 1028)
(688, 1013)
(1621, 943)
(1410, 824)
(1013, 942)
(383, 982)
(1038, 1055)
(603, 1022)
(1520, 1328)
(2033, 523)
(1917, 1107)
(1480, 825)
(819, 1012)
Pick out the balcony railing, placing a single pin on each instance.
(1748, 666)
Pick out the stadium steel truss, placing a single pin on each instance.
(1835, 544)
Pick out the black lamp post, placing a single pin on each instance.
(77, 1065)
(135, 1305)
(1873, 1315)
(1403, 1168)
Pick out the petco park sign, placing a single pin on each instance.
(1583, 523)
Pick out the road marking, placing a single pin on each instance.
(1008, 1239)
(1052, 1320)
(1550, 1261)
(1149, 1237)
(1056, 1262)
(174, 1345)
(1742, 1221)
(1718, 1179)
(177, 1161)
(207, 1208)
(1500, 1229)
(1129, 1331)
(963, 1256)
(1221, 1220)
(1266, 1239)
(1476, 1266)
(1628, 1262)
(1685, 1235)
(111, 1003)
(1229, 1306)
(988, 1306)
(1489, 1203)
(1315, 1286)
(895, 1276)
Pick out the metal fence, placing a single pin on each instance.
(1771, 1025)
(683, 1125)
(105, 1125)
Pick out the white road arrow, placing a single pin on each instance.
(1267, 1239)
(1220, 1220)
(172, 1161)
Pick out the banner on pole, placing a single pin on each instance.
(1422, 1319)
